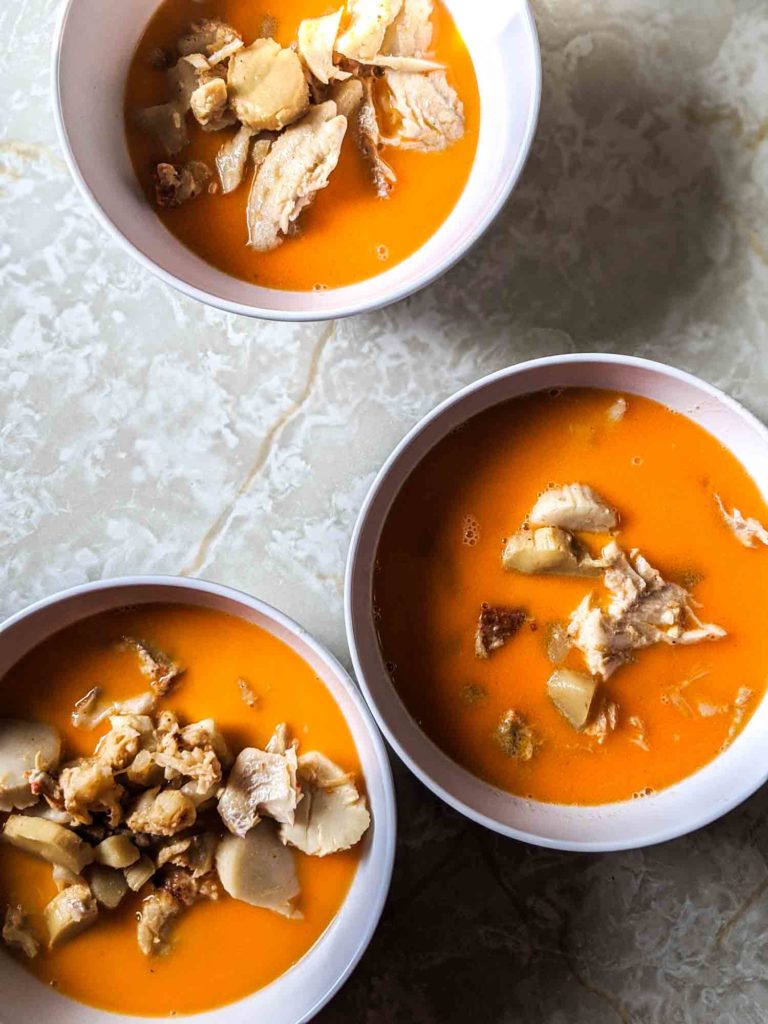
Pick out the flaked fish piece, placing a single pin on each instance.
(161, 813)
(316, 43)
(126, 736)
(16, 933)
(232, 158)
(298, 165)
(261, 782)
(367, 24)
(574, 507)
(158, 912)
(267, 87)
(25, 747)
(212, 37)
(604, 720)
(258, 869)
(548, 550)
(410, 34)
(749, 532)
(88, 787)
(643, 609)
(155, 665)
(368, 139)
(424, 111)
(495, 626)
(332, 815)
(91, 709)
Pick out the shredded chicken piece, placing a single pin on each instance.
(247, 693)
(128, 733)
(749, 532)
(316, 43)
(232, 158)
(262, 782)
(91, 711)
(368, 21)
(605, 720)
(369, 142)
(574, 507)
(495, 627)
(89, 787)
(298, 165)
(424, 111)
(644, 609)
(162, 812)
(332, 815)
(161, 671)
(195, 753)
(410, 34)
(158, 911)
(16, 933)
(515, 736)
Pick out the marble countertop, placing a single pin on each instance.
(142, 432)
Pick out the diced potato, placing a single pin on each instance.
(108, 885)
(546, 550)
(259, 870)
(139, 873)
(48, 840)
(116, 852)
(69, 913)
(572, 694)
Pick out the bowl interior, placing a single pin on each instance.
(296, 995)
(95, 44)
(696, 800)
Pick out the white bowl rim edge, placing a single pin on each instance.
(707, 815)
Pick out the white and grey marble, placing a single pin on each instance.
(144, 432)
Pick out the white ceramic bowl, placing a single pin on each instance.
(695, 801)
(298, 994)
(93, 45)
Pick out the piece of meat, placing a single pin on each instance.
(298, 165)
(604, 720)
(749, 532)
(495, 626)
(25, 748)
(88, 786)
(547, 550)
(194, 753)
(316, 43)
(574, 507)
(91, 709)
(415, 65)
(69, 912)
(157, 914)
(188, 888)
(368, 139)
(165, 123)
(232, 158)
(643, 609)
(247, 693)
(195, 853)
(155, 665)
(267, 87)
(16, 933)
(162, 813)
(128, 733)
(423, 110)
(259, 870)
(212, 37)
(209, 101)
(410, 34)
(515, 736)
(175, 185)
(332, 815)
(261, 782)
(347, 96)
(367, 24)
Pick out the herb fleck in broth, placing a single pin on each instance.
(661, 472)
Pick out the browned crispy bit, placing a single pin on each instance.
(515, 736)
(161, 670)
(495, 626)
(246, 692)
(176, 185)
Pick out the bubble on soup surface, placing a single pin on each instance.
(470, 531)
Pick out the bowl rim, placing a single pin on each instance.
(386, 814)
(342, 309)
(708, 812)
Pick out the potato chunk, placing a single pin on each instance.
(24, 746)
(572, 694)
(69, 913)
(267, 87)
(259, 870)
(47, 840)
(547, 550)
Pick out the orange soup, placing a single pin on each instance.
(676, 704)
(348, 233)
(221, 950)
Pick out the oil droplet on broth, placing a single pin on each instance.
(470, 531)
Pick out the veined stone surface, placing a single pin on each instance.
(144, 432)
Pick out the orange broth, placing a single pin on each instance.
(661, 471)
(348, 234)
(223, 950)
